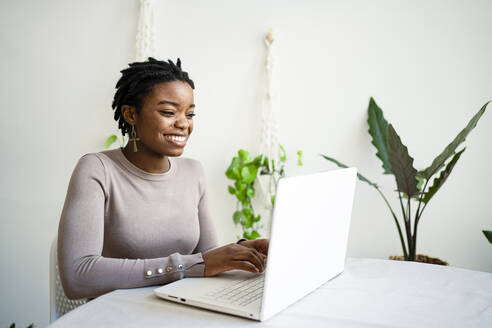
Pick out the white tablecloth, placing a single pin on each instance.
(369, 293)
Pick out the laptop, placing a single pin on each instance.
(308, 244)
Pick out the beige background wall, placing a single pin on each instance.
(427, 63)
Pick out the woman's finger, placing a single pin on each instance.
(262, 259)
(264, 246)
(255, 258)
(251, 255)
(243, 265)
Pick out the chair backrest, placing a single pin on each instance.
(59, 302)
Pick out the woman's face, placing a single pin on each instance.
(165, 121)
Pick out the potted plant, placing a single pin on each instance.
(244, 171)
(412, 185)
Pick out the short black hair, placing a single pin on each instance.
(139, 79)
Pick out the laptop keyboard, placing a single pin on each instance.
(241, 293)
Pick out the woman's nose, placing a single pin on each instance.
(181, 122)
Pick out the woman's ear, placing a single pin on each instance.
(129, 114)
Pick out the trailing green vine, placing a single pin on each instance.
(244, 170)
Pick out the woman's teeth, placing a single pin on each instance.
(175, 138)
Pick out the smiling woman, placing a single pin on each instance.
(138, 216)
(163, 124)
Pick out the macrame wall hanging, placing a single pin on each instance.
(269, 143)
(144, 48)
(145, 40)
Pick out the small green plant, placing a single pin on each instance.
(244, 170)
(112, 139)
(411, 184)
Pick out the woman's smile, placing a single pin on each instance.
(176, 139)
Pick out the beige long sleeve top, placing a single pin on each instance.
(122, 227)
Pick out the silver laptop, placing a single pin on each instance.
(308, 244)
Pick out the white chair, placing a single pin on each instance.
(59, 303)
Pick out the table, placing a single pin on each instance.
(369, 293)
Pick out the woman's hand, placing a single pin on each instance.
(233, 256)
(261, 245)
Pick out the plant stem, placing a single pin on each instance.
(396, 222)
(407, 228)
(401, 205)
(420, 203)
(419, 214)
(417, 219)
(407, 211)
(412, 249)
(409, 206)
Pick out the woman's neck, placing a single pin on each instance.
(146, 160)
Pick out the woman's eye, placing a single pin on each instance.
(165, 112)
(191, 115)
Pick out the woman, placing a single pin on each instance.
(138, 216)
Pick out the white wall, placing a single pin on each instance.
(427, 63)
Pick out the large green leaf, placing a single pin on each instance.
(378, 129)
(360, 176)
(488, 234)
(449, 151)
(401, 164)
(420, 185)
(439, 181)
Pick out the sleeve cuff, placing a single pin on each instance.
(195, 266)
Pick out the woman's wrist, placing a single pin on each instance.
(240, 241)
